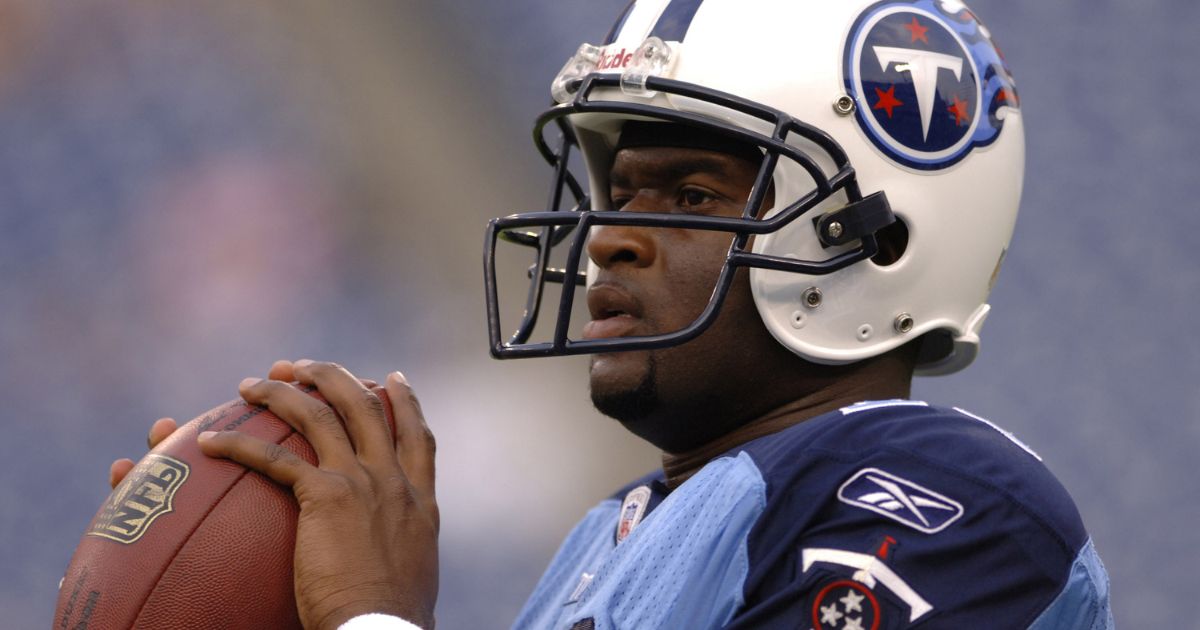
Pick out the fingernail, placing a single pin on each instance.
(302, 363)
(398, 377)
(206, 436)
(249, 382)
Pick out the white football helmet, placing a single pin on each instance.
(892, 120)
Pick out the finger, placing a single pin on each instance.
(315, 420)
(118, 471)
(284, 370)
(281, 370)
(415, 445)
(160, 430)
(272, 460)
(358, 406)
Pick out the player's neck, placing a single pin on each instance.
(882, 380)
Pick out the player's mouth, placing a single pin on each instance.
(615, 313)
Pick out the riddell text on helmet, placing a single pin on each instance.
(614, 61)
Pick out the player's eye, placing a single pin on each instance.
(692, 198)
(618, 202)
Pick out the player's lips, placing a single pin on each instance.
(614, 312)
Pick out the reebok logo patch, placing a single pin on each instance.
(900, 500)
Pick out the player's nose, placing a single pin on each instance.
(610, 245)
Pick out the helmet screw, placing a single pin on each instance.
(844, 105)
(811, 297)
(904, 323)
(834, 230)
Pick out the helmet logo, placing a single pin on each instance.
(929, 83)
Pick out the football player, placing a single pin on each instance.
(791, 207)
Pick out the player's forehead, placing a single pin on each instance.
(658, 148)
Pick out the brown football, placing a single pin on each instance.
(188, 541)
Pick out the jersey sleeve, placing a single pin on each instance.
(928, 519)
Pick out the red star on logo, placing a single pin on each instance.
(959, 110)
(887, 100)
(917, 31)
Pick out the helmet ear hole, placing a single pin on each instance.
(893, 241)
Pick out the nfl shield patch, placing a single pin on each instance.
(633, 508)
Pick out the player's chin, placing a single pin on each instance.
(618, 370)
(619, 380)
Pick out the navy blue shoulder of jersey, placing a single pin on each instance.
(906, 514)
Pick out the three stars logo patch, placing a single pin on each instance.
(845, 605)
(848, 599)
(929, 84)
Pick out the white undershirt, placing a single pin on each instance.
(377, 621)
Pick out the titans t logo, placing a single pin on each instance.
(929, 84)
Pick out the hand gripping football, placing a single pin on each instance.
(189, 541)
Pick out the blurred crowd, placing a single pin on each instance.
(189, 191)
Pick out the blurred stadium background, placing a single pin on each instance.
(191, 190)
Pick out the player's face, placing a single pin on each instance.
(654, 281)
